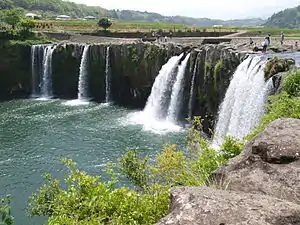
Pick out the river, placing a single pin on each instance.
(36, 134)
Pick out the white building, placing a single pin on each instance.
(90, 18)
(63, 17)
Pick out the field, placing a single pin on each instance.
(121, 26)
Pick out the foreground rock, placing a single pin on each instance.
(208, 206)
(269, 164)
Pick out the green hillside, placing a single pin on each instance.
(51, 8)
(288, 18)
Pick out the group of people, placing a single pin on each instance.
(159, 36)
(267, 42)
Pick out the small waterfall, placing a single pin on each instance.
(46, 87)
(107, 77)
(244, 102)
(33, 70)
(155, 106)
(192, 92)
(83, 82)
(176, 97)
(37, 68)
(153, 117)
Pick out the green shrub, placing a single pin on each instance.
(87, 200)
(279, 106)
(5, 213)
(291, 84)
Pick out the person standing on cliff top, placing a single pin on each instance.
(281, 38)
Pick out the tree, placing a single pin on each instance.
(27, 24)
(105, 23)
(12, 17)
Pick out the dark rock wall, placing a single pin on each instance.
(15, 70)
(133, 68)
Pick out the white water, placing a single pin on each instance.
(153, 117)
(177, 92)
(107, 77)
(46, 89)
(155, 104)
(83, 79)
(192, 92)
(244, 102)
(33, 70)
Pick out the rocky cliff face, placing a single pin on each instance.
(15, 67)
(133, 69)
(260, 186)
(215, 66)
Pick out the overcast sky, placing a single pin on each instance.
(215, 9)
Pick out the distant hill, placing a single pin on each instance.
(130, 15)
(288, 18)
(52, 8)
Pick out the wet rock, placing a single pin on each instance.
(208, 206)
(275, 66)
(269, 164)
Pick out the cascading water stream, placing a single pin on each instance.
(192, 92)
(177, 92)
(153, 117)
(83, 82)
(33, 70)
(46, 87)
(155, 107)
(244, 102)
(107, 77)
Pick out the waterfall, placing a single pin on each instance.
(107, 77)
(192, 92)
(83, 82)
(153, 117)
(33, 70)
(37, 68)
(155, 105)
(244, 102)
(46, 86)
(177, 92)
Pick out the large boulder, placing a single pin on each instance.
(208, 206)
(268, 165)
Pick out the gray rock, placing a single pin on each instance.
(268, 165)
(208, 206)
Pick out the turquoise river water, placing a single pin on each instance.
(35, 135)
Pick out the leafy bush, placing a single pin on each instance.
(105, 23)
(291, 84)
(86, 200)
(5, 213)
(89, 201)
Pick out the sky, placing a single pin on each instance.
(214, 9)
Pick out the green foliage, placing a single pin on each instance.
(231, 147)
(291, 84)
(288, 18)
(27, 24)
(5, 213)
(279, 106)
(134, 168)
(12, 17)
(105, 23)
(87, 200)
